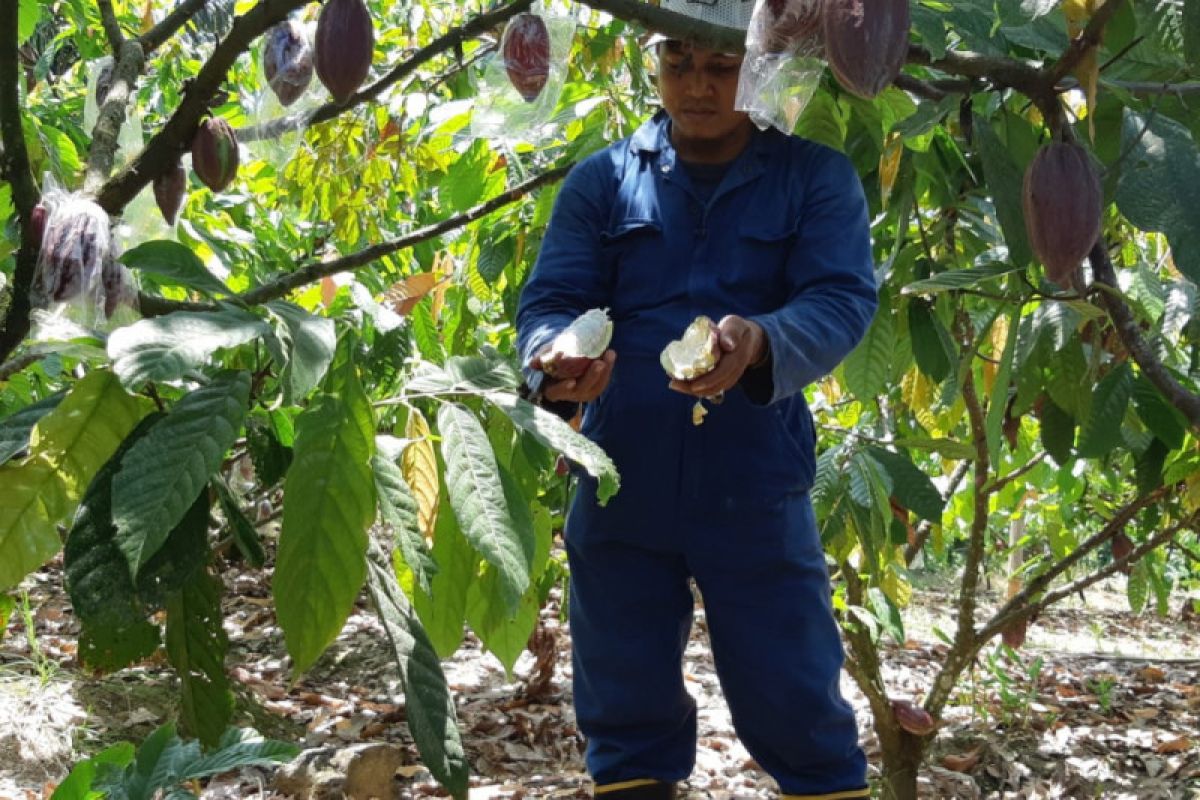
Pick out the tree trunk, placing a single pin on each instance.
(902, 757)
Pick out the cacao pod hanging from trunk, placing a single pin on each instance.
(526, 52)
(75, 248)
(345, 42)
(866, 42)
(169, 191)
(913, 718)
(287, 61)
(1062, 201)
(215, 154)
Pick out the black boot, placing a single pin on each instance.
(641, 791)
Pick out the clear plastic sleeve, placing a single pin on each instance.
(280, 112)
(783, 64)
(522, 82)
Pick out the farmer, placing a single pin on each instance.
(699, 212)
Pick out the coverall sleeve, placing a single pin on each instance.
(831, 287)
(567, 279)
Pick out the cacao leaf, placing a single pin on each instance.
(163, 473)
(1191, 32)
(477, 497)
(931, 28)
(1000, 391)
(886, 613)
(173, 264)
(166, 348)
(310, 341)
(1005, 178)
(870, 484)
(959, 278)
(399, 508)
(425, 333)
(1137, 587)
(329, 502)
(1067, 373)
(1057, 432)
(406, 293)
(869, 365)
(16, 428)
(911, 486)
(78, 784)
(948, 448)
(482, 373)
(245, 535)
(444, 610)
(1161, 183)
(33, 499)
(494, 255)
(928, 342)
(196, 646)
(29, 14)
(824, 121)
(1162, 418)
(237, 748)
(561, 437)
(271, 458)
(430, 707)
(1149, 466)
(419, 466)
(1102, 429)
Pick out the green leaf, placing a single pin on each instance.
(1057, 431)
(465, 183)
(482, 373)
(1005, 181)
(1191, 32)
(959, 279)
(196, 647)
(1000, 389)
(271, 458)
(310, 341)
(443, 611)
(31, 501)
(238, 748)
(29, 13)
(398, 507)
(173, 264)
(928, 343)
(163, 473)
(869, 365)
(1137, 587)
(949, 448)
(1102, 430)
(910, 486)
(1162, 418)
(494, 255)
(1159, 188)
(329, 502)
(16, 428)
(823, 121)
(166, 348)
(870, 484)
(429, 705)
(557, 435)
(245, 535)
(886, 613)
(477, 497)
(78, 785)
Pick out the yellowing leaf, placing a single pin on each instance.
(1191, 495)
(405, 294)
(328, 291)
(889, 165)
(419, 464)
(148, 16)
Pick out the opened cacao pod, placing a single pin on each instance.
(1062, 202)
(345, 43)
(215, 154)
(526, 51)
(580, 343)
(866, 43)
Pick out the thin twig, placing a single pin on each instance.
(1081, 44)
(160, 33)
(15, 365)
(1000, 483)
(112, 29)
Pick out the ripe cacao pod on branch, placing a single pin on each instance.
(287, 61)
(866, 42)
(169, 191)
(525, 48)
(581, 343)
(215, 154)
(75, 247)
(344, 45)
(1062, 201)
(1121, 546)
(913, 718)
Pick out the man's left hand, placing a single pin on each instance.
(742, 343)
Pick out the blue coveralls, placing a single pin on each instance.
(784, 240)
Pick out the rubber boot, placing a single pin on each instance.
(635, 790)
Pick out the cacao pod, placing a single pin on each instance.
(791, 21)
(37, 226)
(287, 61)
(75, 248)
(525, 47)
(1122, 546)
(1062, 201)
(169, 191)
(344, 45)
(695, 354)
(580, 343)
(119, 289)
(913, 718)
(866, 42)
(1014, 632)
(215, 154)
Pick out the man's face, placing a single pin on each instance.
(698, 88)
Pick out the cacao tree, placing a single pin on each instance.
(328, 273)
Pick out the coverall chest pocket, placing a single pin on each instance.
(758, 269)
(635, 253)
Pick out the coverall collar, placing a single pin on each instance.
(653, 138)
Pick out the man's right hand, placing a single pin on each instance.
(584, 389)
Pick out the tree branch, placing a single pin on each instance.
(160, 33)
(176, 135)
(1131, 336)
(112, 29)
(14, 168)
(1000, 483)
(1091, 37)
(112, 114)
(12, 367)
(314, 271)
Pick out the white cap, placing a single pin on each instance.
(733, 14)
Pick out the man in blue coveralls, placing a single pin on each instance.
(701, 213)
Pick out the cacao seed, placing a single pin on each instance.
(344, 44)
(913, 718)
(215, 154)
(866, 42)
(169, 191)
(579, 344)
(695, 354)
(526, 51)
(287, 61)
(1063, 201)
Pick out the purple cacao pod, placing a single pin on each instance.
(215, 154)
(526, 50)
(287, 61)
(169, 191)
(344, 45)
(1062, 201)
(866, 43)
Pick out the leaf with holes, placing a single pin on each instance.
(161, 475)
